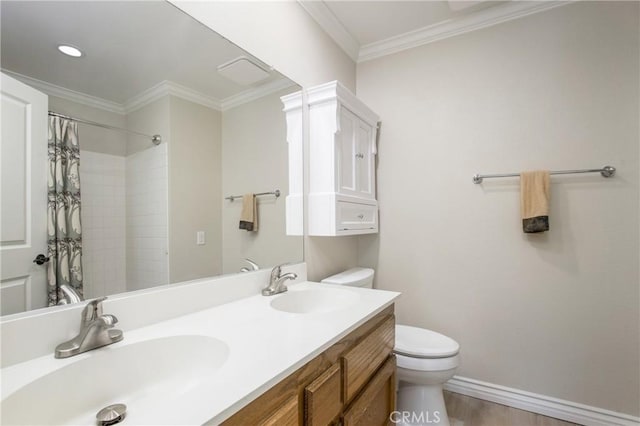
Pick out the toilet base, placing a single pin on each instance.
(420, 405)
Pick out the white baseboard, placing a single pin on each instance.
(541, 404)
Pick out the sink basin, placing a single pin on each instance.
(314, 300)
(143, 375)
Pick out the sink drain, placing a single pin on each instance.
(111, 414)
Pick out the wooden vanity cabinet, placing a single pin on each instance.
(351, 383)
(374, 405)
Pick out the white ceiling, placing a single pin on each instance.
(370, 29)
(129, 46)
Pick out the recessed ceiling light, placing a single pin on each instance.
(70, 50)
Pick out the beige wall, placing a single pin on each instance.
(195, 196)
(94, 138)
(326, 256)
(151, 119)
(556, 313)
(254, 146)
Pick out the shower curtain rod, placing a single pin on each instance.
(156, 139)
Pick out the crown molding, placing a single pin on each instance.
(165, 88)
(68, 94)
(334, 92)
(253, 94)
(453, 27)
(321, 13)
(292, 101)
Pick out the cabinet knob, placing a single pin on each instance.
(359, 155)
(360, 216)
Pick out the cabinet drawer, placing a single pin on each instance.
(378, 400)
(356, 216)
(359, 364)
(322, 398)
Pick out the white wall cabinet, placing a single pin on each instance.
(342, 150)
(342, 158)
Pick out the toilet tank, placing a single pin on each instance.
(354, 277)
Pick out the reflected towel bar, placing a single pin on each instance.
(233, 197)
(606, 171)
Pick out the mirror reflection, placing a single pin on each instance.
(132, 140)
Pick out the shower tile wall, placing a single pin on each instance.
(102, 179)
(146, 212)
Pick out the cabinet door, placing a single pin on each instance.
(373, 407)
(322, 398)
(346, 153)
(355, 161)
(365, 160)
(287, 415)
(361, 361)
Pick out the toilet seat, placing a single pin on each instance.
(427, 364)
(420, 343)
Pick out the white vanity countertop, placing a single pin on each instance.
(265, 346)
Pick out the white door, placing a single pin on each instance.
(23, 196)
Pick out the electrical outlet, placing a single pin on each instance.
(200, 238)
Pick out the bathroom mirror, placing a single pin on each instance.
(149, 214)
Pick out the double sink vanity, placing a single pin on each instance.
(211, 351)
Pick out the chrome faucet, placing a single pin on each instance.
(276, 281)
(253, 266)
(96, 330)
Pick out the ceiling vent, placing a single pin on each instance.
(244, 71)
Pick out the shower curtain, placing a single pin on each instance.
(63, 209)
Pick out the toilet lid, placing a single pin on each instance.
(423, 343)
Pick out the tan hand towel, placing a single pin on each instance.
(249, 215)
(534, 201)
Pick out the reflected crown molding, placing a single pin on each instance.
(68, 94)
(165, 88)
(256, 93)
(152, 94)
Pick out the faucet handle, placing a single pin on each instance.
(93, 310)
(277, 270)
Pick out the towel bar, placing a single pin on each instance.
(606, 171)
(276, 193)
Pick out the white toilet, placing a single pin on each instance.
(425, 361)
